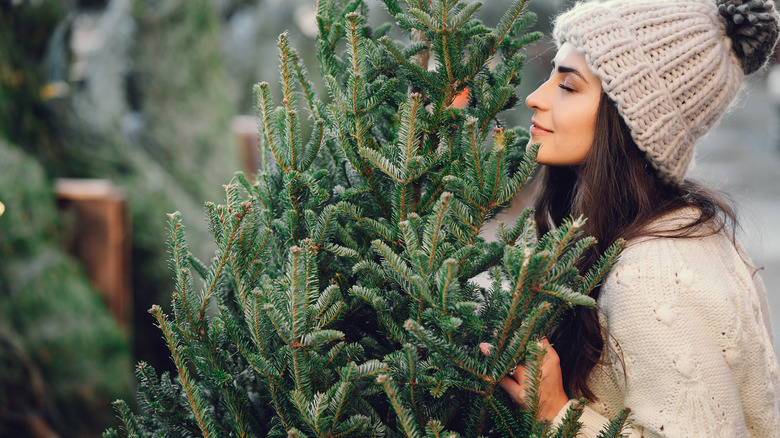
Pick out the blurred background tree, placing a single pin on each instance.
(61, 354)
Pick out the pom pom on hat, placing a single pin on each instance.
(670, 66)
(752, 26)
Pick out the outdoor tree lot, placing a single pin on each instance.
(340, 301)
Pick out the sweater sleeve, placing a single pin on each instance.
(681, 321)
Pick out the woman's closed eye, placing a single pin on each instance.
(565, 88)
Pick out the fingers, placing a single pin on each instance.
(515, 390)
(518, 375)
(553, 396)
(515, 373)
(486, 347)
(550, 355)
(511, 386)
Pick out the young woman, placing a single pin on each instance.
(681, 333)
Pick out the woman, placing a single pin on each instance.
(681, 333)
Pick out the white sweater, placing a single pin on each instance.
(689, 317)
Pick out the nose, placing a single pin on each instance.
(534, 100)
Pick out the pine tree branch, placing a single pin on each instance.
(305, 405)
(450, 265)
(240, 215)
(514, 307)
(505, 23)
(276, 399)
(151, 380)
(494, 107)
(315, 145)
(383, 164)
(421, 74)
(616, 426)
(467, 192)
(520, 177)
(306, 86)
(205, 422)
(266, 108)
(298, 295)
(522, 226)
(252, 312)
(413, 383)
(504, 418)
(301, 372)
(381, 230)
(359, 425)
(476, 160)
(513, 351)
(279, 323)
(446, 349)
(342, 390)
(462, 16)
(409, 129)
(184, 284)
(330, 313)
(130, 420)
(601, 267)
(431, 236)
(533, 375)
(397, 264)
(570, 425)
(254, 259)
(444, 32)
(410, 429)
(183, 293)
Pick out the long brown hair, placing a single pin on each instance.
(620, 194)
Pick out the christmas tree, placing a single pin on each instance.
(341, 300)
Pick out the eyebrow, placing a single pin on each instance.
(564, 69)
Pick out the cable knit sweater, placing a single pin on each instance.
(689, 318)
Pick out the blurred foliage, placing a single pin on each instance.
(184, 93)
(175, 89)
(62, 357)
(61, 354)
(24, 35)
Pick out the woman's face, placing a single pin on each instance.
(565, 109)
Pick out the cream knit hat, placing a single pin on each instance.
(671, 66)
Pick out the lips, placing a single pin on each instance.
(537, 129)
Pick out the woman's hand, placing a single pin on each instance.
(552, 395)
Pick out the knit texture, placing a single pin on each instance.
(690, 320)
(668, 65)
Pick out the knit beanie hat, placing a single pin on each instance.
(671, 66)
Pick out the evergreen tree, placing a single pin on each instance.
(341, 300)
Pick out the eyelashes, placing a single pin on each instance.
(565, 88)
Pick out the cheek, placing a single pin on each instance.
(579, 131)
(588, 121)
(587, 126)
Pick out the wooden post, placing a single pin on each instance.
(100, 237)
(245, 128)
